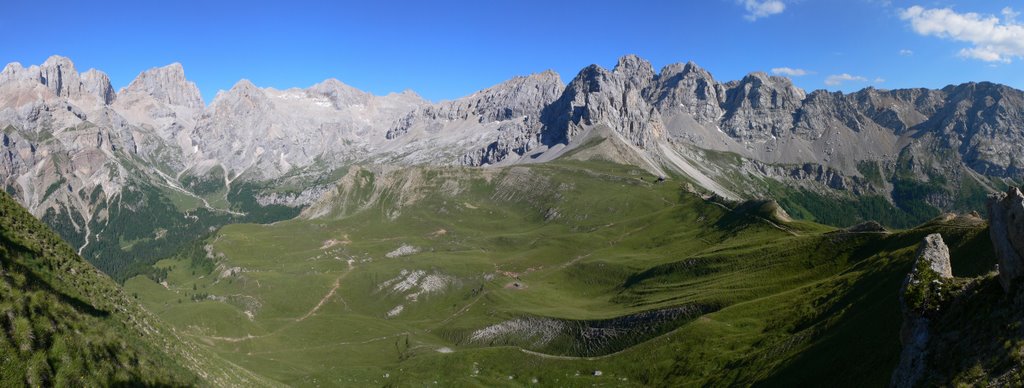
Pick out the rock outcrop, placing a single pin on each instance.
(97, 83)
(615, 98)
(1006, 228)
(511, 109)
(920, 297)
(58, 76)
(167, 85)
(760, 107)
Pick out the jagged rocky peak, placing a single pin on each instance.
(895, 110)
(97, 83)
(1006, 229)
(168, 85)
(10, 68)
(58, 75)
(984, 119)
(521, 99)
(517, 97)
(590, 80)
(761, 90)
(690, 89)
(822, 111)
(977, 91)
(339, 93)
(243, 93)
(615, 98)
(636, 72)
(760, 106)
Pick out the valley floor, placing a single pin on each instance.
(560, 274)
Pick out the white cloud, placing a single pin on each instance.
(788, 71)
(763, 8)
(1010, 16)
(836, 79)
(839, 79)
(906, 52)
(993, 40)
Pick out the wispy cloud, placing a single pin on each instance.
(1009, 15)
(759, 9)
(789, 71)
(838, 79)
(992, 39)
(906, 52)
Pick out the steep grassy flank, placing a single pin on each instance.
(568, 274)
(56, 316)
(64, 323)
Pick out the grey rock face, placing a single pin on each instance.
(97, 83)
(1006, 229)
(515, 98)
(934, 252)
(306, 197)
(513, 108)
(59, 77)
(615, 98)
(766, 118)
(690, 89)
(812, 172)
(62, 130)
(914, 336)
(515, 137)
(760, 106)
(167, 85)
(338, 93)
(983, 120)
(58, 74)
(265, 133)
(933, 257)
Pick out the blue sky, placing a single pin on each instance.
(447, 49)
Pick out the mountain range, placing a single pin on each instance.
(129, 176)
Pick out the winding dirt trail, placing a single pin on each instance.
(334, 289)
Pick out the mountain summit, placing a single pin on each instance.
(168, 85)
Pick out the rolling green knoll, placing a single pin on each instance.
(564, 274)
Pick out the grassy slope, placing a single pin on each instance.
(585, 242)
(65, 323)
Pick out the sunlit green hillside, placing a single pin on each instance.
(567, 273)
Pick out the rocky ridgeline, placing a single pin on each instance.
(511, 109)
(59, 77)
(62, 128)
(762, 117)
